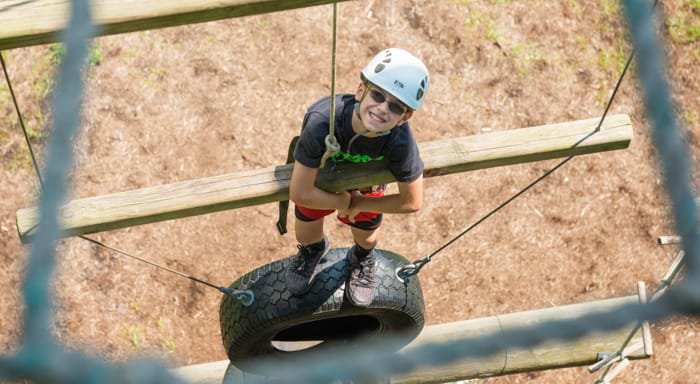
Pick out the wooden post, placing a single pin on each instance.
(265, 185)
(548, 355)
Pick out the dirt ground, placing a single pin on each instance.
(207, 99)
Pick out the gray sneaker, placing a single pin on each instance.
(359, 288)
(302, 269)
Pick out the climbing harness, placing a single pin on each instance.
(246, 297)
(406, 271)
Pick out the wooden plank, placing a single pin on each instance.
(24, 23)
(548, 355)
(265, 185)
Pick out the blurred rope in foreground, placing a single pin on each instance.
(41, 359)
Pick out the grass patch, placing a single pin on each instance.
(36, 113)
(134, 334)
(684, 25)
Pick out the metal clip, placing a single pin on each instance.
(403, 273)
(246, 297)
(604, 359)
(616, 370)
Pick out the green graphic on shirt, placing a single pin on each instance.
(342, 156)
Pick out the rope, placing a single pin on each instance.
(406, 271)
(245, 296)
(332, 146)
(41, 359)
(620, 354)
(21, 120)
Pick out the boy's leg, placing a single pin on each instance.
(365, 238)
(361, 284)
(308, 232)
(313, 245)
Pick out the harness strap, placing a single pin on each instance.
(284, 204)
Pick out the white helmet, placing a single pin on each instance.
(399, 73)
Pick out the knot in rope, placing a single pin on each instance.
(332, 147)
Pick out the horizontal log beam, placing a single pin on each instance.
(265, 185)
(548, 355)
(24, 23)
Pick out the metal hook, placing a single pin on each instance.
(246, 297)
(403, 273)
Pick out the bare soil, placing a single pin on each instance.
(207, 99)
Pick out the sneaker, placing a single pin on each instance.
(359, 288)
(302, 269)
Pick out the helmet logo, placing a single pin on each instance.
(398, 84)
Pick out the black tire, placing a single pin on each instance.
(322, 315)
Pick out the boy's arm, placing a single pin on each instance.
(408, 200)
(303, 191)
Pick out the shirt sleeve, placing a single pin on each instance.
(311, 145)
(405, 163)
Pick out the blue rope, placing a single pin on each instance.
(41, 359)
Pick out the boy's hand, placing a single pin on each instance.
(353, 207)
(347, 198)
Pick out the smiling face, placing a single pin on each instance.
(379, 111)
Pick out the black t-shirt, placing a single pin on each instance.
(397, 150)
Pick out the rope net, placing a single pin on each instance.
(41, 359)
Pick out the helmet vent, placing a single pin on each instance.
(421, 91)
(380, 67)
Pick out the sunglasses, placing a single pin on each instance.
(379, 97)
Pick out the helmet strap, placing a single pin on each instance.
(357, 103)
(359, 117)
(357, 110)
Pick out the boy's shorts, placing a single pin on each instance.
(364, 220)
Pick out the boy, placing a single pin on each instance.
(370, 125)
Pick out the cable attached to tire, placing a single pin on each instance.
(406, 271)
(246, 297)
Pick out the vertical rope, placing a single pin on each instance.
(332, 146)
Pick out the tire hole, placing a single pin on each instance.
(313, 333)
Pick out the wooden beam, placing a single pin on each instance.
(265, 185)
(24, 23)
(548, 355)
